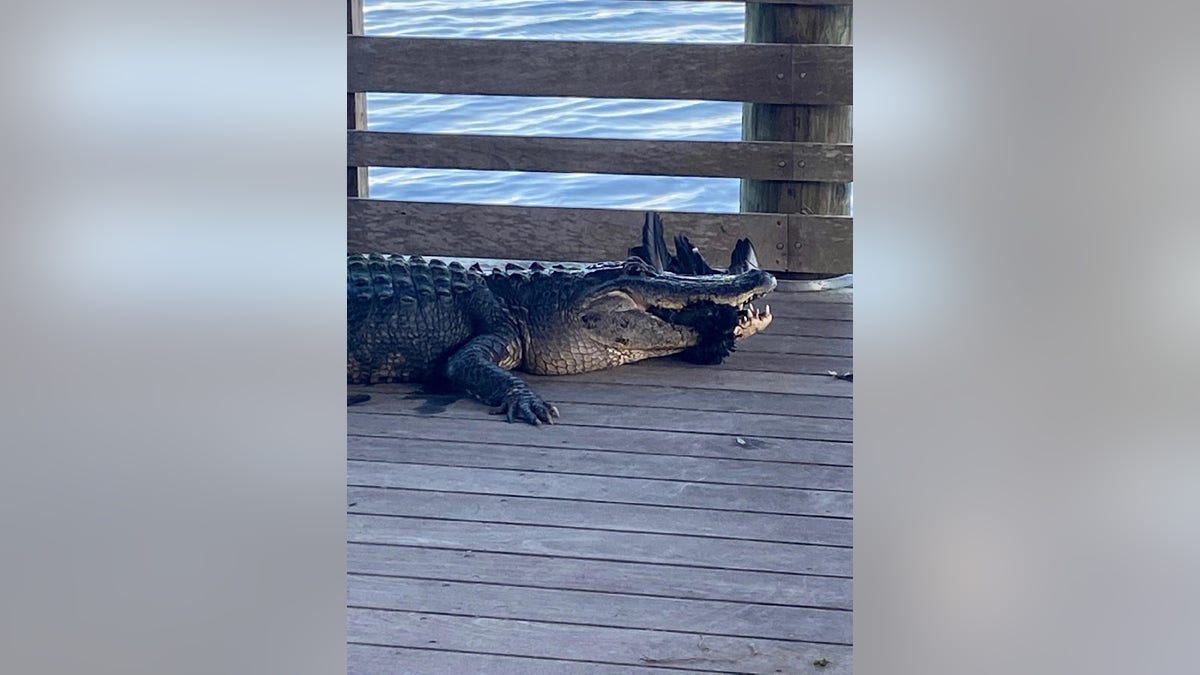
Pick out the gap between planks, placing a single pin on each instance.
(682, 468)
(594, 474)
(619, 646)
(614, 490)
(833, 527)
(649, 579)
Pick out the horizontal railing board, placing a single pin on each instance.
(630, 646)
(758, 73)
(820, 244)
(549, 233)
(713, 159)
(601, 575)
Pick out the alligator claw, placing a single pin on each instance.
(526, 406)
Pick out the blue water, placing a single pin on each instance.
(607, 20)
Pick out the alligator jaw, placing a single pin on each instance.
(751, 321)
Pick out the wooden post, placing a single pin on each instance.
(356, 105)
(797, 24)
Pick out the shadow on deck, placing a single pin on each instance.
(679, 517)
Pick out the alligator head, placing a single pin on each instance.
(614, 313)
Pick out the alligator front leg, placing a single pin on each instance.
(475, 368)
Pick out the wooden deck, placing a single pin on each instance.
(679, 518)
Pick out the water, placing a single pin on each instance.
(604, 20)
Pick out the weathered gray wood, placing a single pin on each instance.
(814, 74)
(372, 660)
(597, 516)
(614, 610)
(784, 501)
(718, 159)
(601, 575)
(596, 644)
(791, 291)
(768, 342)
(632, 440)
(789, 363)
(548, 233)
(820, 244)
(667, 549)
(573, 390)
(825, 244)
(628, 417)
(600, 463)
(356, 108)
(683, 374)
(786, 325)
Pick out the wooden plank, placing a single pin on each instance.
(600, 517)
(786, 325)
(820, 244)
(356, 108)
(716, 159)
(792, 291)
(784, 501)
(632, 440)
(548, 233)
(631, 417)
(610, 463)
(826, 246)
(682, 374)
(573, 390)
(768, 342)
(613, 610)
(789, 363)
(374, 659)
(600, 575)
(765, 73)
(595, 644)
(666, 549)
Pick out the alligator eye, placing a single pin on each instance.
(637, 268)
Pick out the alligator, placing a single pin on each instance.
(412, 319)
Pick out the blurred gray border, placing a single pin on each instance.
(1026, 304)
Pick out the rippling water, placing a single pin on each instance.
(607, 20)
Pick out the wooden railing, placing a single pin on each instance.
(778, 74)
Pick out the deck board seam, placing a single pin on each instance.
(598, 592)
(624, 664)
(592, 449)
(590, 501)
(629, 561)
(595, 625)
(595, 475)
(561, 400)
(607, 529)
(720, 434)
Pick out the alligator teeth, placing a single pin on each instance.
(751, 320)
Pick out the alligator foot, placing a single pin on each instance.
(751, 321)
(526, 406)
